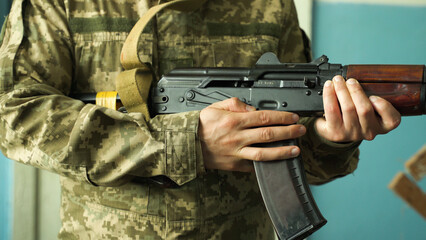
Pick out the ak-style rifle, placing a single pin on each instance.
(293, 87)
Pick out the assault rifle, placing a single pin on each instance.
(293, 87)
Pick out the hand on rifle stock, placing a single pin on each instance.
(229, 128)
(352, 116)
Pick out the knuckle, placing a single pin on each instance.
(230, 122)
(258, 156)
(231, 141)
(391, 124)
(234, 102)
(264, 118)
(332, 109)
(395, 122)
(266, 134)
(369, 136)
(356, 134)
(349, 108)
(365, 111)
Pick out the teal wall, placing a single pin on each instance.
(360, 206)
(6, 194)
(6, 169)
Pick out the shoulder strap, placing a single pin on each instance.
(133, 85)
(129, 53)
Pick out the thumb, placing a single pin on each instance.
(233, 105)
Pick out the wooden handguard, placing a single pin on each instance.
(402, 85)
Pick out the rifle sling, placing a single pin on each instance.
(133, 84)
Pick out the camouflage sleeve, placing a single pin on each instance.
(42, 127)
(323, 160)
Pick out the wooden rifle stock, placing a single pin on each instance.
(402, 85)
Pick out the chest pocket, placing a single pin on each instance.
(191, 40)
(215, 51)
(232, 51)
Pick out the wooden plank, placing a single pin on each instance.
(416, 165)
(402, 186)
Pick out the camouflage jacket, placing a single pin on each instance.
(51, 48)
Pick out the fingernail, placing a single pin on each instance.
(327, 83)
(338, 78)
(302, 130)
(250, 108)
(295, 152)
(295, 117)
(373, 98)
(352, 81)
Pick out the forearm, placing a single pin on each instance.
(42, 127)
(87, 142)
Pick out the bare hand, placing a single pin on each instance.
(229, 128)
(351, 116)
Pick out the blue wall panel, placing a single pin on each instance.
(360, 206)
(6, 179)
(356, 33)
(6, 168)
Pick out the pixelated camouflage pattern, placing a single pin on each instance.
(329, 160)
(53, 48)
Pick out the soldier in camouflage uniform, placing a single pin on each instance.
(50, 49)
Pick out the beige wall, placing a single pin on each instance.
(36, 204)
(304, 11)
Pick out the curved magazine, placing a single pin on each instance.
(287, 197)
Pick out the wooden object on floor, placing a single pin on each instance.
(416, 166)
(409, 192)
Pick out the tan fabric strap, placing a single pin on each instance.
(133, 85)
(129, 54)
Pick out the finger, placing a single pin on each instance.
(269, 154)
(390, 117)
(268, 118)
(365, 111)
(272, 134)
(332, 111)
(233, 105)
(349, 115)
